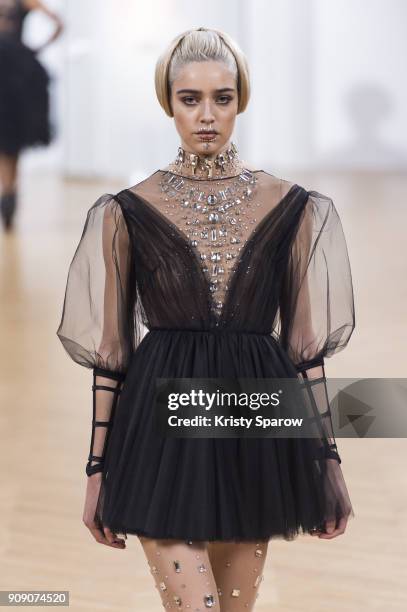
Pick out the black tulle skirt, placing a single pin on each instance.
(24, 98)
(228, 489)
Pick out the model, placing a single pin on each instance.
(24, 97)
(208, 268)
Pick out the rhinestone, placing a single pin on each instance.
(219, 591)
(235, 592)
(258, 552)
(177, 566)
(201, 206)
(202, 568)
(257, 581)
(209, 601)
(189, 542)
(162, 586)
(228, 564)
(177, 600)
(154, 569)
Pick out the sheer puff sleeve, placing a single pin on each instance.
(95, 327)
(317, 319)
(95, 324)
(317, 306)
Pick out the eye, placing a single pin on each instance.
(188, 98)
(227, 98)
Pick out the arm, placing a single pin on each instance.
(317, 319)
(317, 308)
(95, 327)
(40, 6)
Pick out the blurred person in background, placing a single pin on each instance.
(235, 272)
(24, 97)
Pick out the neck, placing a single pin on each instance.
(223, 164)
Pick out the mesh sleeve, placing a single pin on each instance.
(95, 328)
(317, 308)
(95, 324)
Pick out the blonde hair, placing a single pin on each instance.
(200, 45)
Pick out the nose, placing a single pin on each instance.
(207, 113)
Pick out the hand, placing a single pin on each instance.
(335, 486)
(331, 530)
(103, 535)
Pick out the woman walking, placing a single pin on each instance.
(24, 97)
(232, 272)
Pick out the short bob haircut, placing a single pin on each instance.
(200, 45)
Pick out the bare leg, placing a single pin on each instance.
(8, 172)
(8, 188)
(182, 573)
(238, 570)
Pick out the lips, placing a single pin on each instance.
(206, 133)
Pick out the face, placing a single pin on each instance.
(204, 95)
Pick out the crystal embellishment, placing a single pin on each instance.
(209, 601)
(218, 230)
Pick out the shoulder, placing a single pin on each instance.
(277, 186)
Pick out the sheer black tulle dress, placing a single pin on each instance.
(24, 86)
(140, 303)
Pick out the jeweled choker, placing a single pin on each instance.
(227, 163)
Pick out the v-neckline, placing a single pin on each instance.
(184, 238)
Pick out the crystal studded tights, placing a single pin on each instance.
(197, 576)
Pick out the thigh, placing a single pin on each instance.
(182, 573)
(238, 570)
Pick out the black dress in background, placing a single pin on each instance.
(287, 304)
(24, 86)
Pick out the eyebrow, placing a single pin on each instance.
(198, 91)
